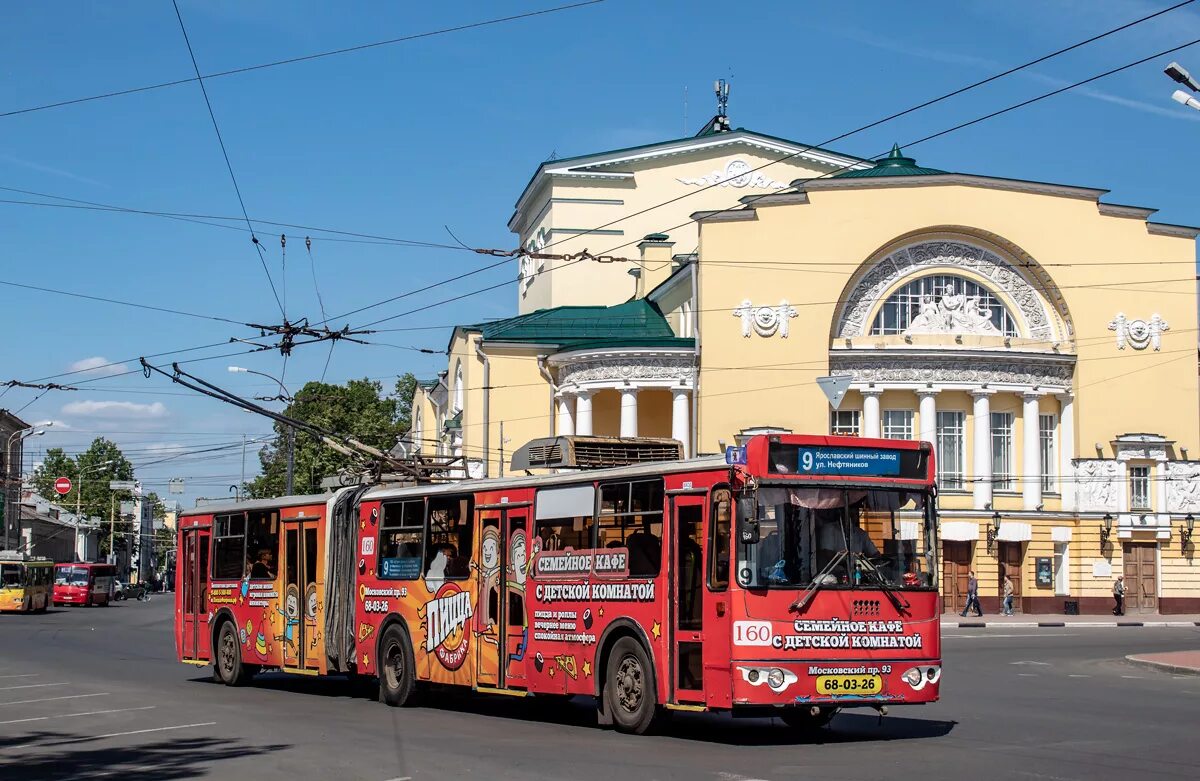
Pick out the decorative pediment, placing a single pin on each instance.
(737, 173)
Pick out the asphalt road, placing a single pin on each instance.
(90, 693)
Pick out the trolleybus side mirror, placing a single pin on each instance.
(748, 533)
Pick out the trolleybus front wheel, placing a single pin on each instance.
(629, 687)
(228, 660)
(396, 667)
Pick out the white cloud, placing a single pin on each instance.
(114, 409)
(98, 366)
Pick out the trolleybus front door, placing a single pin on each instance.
(687, 598)
(501, 620)
(194, 627)
(302, 596)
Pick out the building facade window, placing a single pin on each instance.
(458, 388)
(903, 306)
(898, 424)
(950, 458)
(1046, 427)
(1002, 451)
(1139, 487)
(844, 422)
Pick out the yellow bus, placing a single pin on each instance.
(25, 582)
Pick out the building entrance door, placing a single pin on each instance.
(1141, 576)
(1010, 556)
(956, 562)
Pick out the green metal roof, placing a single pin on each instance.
(895, 164)
(622, 324)
(453, 423)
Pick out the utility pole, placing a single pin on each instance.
(502, 445)
(291, 462)
(112, 525)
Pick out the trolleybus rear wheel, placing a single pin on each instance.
(803, 718)
(396, 667)
(629, 687)
(228, 659)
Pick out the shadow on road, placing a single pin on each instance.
(46, 756)
(847, 727)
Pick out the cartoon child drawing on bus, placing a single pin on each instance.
(489, 570)
(518, 570)
(311, 606)
(291, 617)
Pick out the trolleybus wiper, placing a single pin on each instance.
(802, 602)
(901, 606)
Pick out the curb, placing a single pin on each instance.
(1069, 624)
(1163, 666)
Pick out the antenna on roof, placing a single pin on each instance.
(721, 88)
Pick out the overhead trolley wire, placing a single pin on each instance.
(303, 58)
(228, 165)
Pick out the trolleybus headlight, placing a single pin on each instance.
(775, 679)
(914, 678)
(752, 676)
(933, 673)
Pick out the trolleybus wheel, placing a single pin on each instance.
(396, 667)
(228, 662)
(804, 719)
(629, 687)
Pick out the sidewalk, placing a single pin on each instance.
(1031, 621)
(1178, 662)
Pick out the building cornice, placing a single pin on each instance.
(953, 180)
(1177, 231)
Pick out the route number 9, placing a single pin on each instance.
(806, 461)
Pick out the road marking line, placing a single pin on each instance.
(26, 675)
(1043, 664)
(31, 686)
(1133, 677)
(51, 699)
(73, 715)
(1079, 676)
(117, 734)
(401, 778)
(1026, 675)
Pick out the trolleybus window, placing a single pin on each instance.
(448, 554)
(229, 546)
(631, 515)
(400, 538)
(838, 537)
(10, 575)
(719, 525)
(262, 545)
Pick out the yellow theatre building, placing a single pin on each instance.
(1042, 338)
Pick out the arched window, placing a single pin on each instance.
(458, 388)
(943, 304)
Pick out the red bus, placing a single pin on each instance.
(82, 583)
(800, 580)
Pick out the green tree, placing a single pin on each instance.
(357, 409)
(90, 473)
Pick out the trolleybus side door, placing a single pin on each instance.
(194, 626)
(302, 595)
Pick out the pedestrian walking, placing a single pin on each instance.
(972, 595)
(1119, 596)
(1008, 595)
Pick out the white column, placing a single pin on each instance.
(583, 413)
(1031, 472)
(1160, 486)
(982, 467)
(565, 419)
(871, 422)
(928, 415)
(629, 412)
(1066, 450)
(681, 417)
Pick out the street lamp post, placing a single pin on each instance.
(291, 432)
(79, 496)
(23, 434)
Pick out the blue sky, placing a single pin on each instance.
(445, 131)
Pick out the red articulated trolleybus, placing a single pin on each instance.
(794, 577)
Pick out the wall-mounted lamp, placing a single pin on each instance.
(1185, 534)
(993, 530)
(1105, 529)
